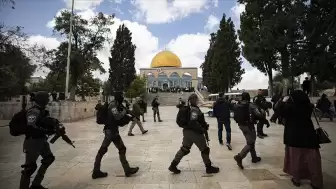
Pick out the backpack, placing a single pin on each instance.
(182, 118)
(242, 113)
(102, 113)
(154, 103)
(18, 124)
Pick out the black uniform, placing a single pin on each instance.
(260, 103)
(143, 105)
(246, 125)
(193, 133)
(117, 116)
(36, 144)
(155, 108)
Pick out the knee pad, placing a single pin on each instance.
(29, 169)
(102, 150)
(48, 160)
(122, 151)
(206, 151)
(185, 150)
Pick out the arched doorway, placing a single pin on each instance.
(174, 79)
(165, 86)
(187, 80)
(162, 78)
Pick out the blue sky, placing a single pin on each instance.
(182, 26)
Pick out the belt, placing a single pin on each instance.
(35, 137)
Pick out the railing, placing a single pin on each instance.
(200, 96)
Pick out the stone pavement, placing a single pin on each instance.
(153, 153)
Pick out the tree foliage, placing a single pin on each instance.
(88, 36)
(318, 52)
(206, 66)
(137, 87)
(226, 62)
(15, 67)
(255, 32)
(122, 62)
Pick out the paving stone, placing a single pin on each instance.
(259, 174)
(153, 153)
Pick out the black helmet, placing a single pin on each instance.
(118, 96)
(246, 96)
(42, 98)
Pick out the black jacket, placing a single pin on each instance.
(222, 109)
(299, 129)
(34, 127)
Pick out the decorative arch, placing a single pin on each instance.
(187, 80)
(151, 80)
(175, 76)
(162, 75)
(186, 76)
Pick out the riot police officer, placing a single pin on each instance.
(36, 144)
(193, 133)
(117, 116)
(245, 115)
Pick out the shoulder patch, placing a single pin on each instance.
(193, 115)
(31, 118)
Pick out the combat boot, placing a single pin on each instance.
(37, 187)
(211, 169)
(131, 171)
(239, 161)
(256, 160)
(173, 167)
(99, 174)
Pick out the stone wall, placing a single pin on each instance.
(65, 111)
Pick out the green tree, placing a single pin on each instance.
(137, 88)
(88, 87)
(122, 62)
(206, 66)
(88, 36)
(255, 33)
(226, 63)
(15, 67)
(318, 50)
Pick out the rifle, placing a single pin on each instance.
(60, 132)
(128, 111)
(206, 134)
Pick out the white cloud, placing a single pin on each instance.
(191, 49)
(236, 11)
(212, 23)
(47, 42)
(215, 3)
(253, 79)
(164, 11)
(83, 4)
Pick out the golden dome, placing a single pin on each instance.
(165, 59)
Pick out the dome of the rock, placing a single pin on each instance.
(165, 59)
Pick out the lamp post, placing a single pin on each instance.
(69, 53)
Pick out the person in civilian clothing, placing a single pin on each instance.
(302, 154)
(222, 109)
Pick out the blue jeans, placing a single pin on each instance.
(227, 125)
